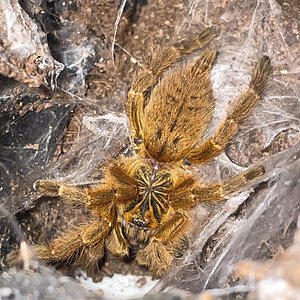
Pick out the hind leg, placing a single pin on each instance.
(242, 109)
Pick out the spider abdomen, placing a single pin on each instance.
(182, 110)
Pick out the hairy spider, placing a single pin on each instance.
(144, 201)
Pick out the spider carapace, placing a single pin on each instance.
(151, 204)
(144, 202)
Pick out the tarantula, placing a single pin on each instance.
(144, 202)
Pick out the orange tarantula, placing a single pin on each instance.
(144, 201)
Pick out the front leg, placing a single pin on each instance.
(158, 255)
(83, 245)
(69, 245)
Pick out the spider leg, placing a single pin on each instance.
(205, 62)
(218, 191)
(146, 79)
(83, 245)
(157, 256)
(188, 194)
(99, 198)
(228, 128)
(117, 187)
(52, 188)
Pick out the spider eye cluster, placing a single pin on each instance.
(139, 223)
